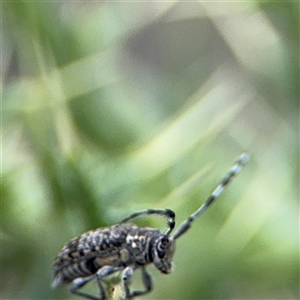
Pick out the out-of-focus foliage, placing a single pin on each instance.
(113, 107)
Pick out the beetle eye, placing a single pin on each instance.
(164, 241)
(161, 246)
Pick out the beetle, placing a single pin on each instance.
(126, 247)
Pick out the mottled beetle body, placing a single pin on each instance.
(118, 246)
(125, 247)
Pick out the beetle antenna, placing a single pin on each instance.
(240, 162)
(166, 213)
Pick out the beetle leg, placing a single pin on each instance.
(101, 273)
(146, 278)
(80, 282)
(127, 275)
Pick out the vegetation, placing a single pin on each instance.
(113, 107)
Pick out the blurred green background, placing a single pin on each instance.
(113, 107)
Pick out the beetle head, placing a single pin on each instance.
(162, 253)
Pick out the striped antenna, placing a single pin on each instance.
(239, 164)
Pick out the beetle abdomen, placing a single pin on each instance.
(84, 255)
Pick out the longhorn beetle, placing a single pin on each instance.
(126, 247)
